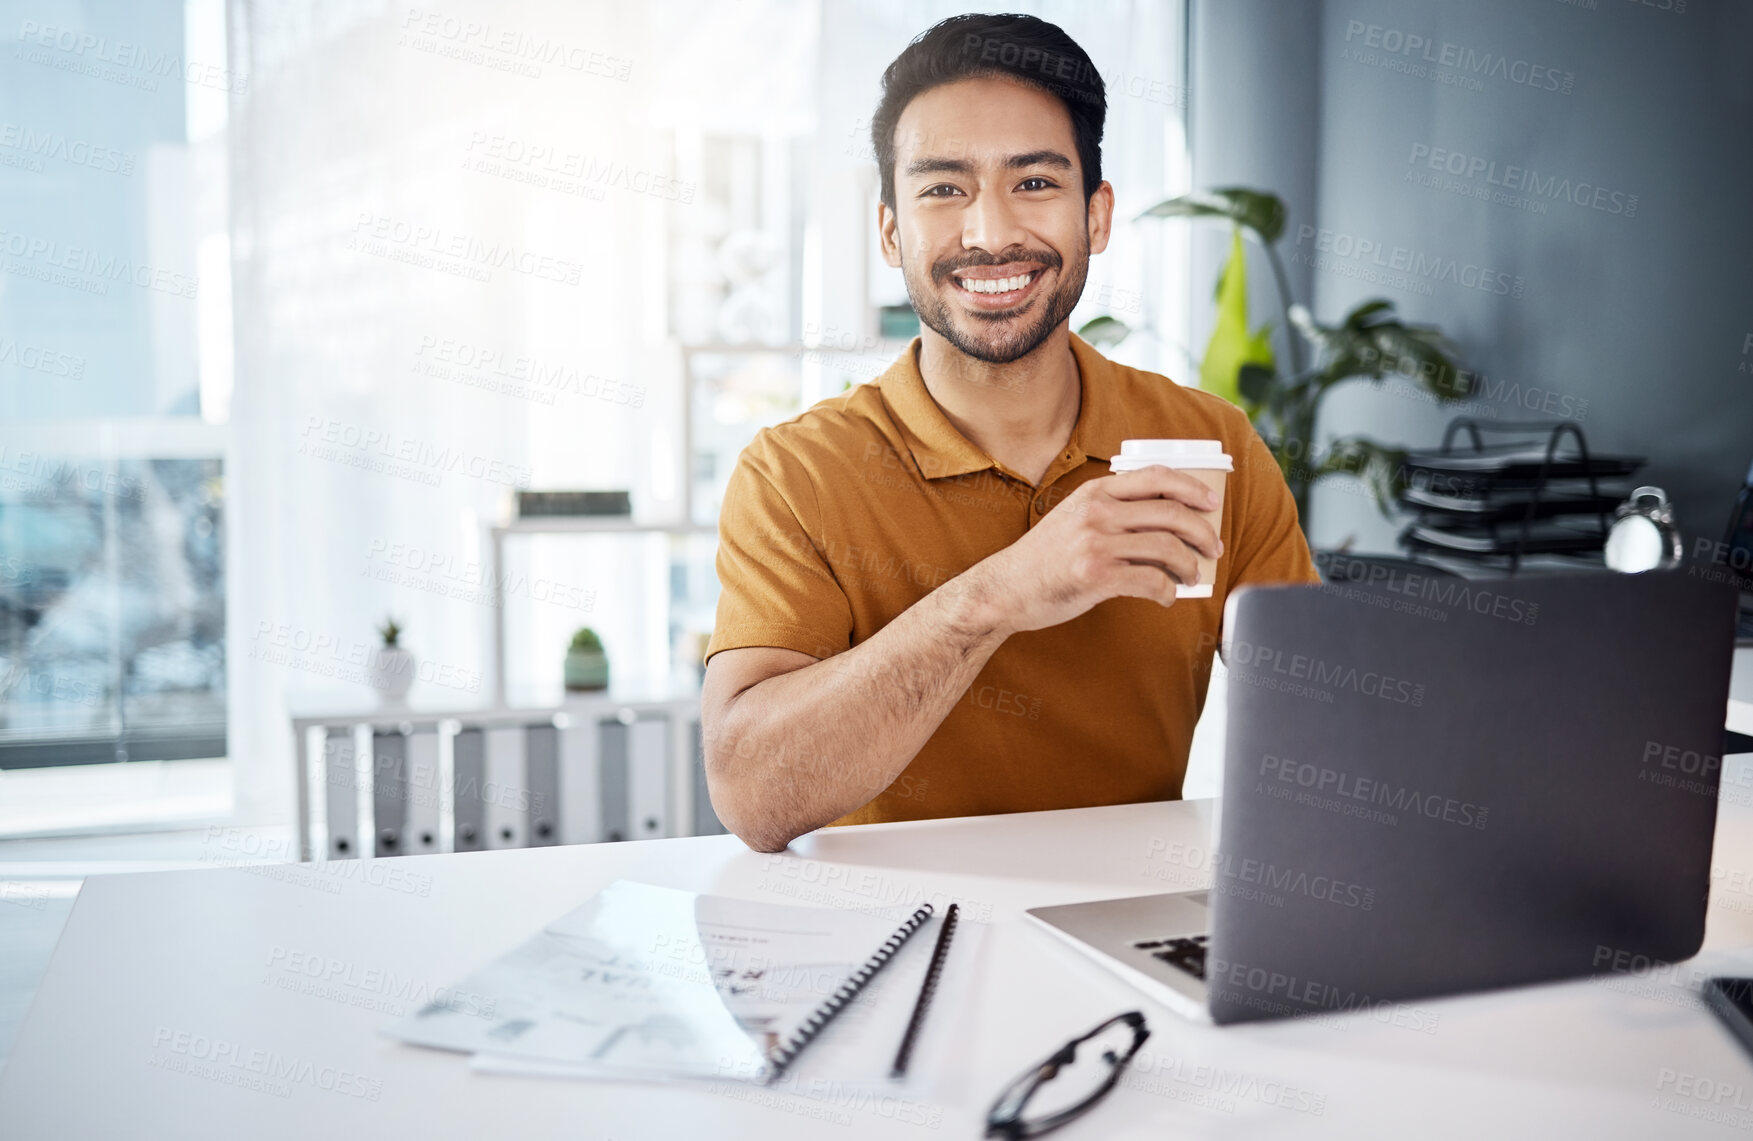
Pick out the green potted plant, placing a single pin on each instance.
(587, 666)
(390, 669)
(1239, 364)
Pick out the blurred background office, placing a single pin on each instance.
(296, 298)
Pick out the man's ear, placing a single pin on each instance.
(1101, 217)
(889, 235)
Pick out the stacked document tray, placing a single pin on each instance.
(1543, 496)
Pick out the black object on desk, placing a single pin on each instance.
(1731, 1000)
(1091, 1076)
(938, 954)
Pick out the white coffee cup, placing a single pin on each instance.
(1204, 460)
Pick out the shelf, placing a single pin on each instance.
(561, 525)
(598, 525)
(728, 349)
(318, 707)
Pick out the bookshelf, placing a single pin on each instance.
(710, 445)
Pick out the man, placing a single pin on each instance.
(936, 600)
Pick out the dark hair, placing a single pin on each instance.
(977, 46)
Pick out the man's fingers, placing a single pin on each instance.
(1144, 582)
(1158, 548)
(1166, 515)
(1158, 483)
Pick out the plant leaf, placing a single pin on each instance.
(1258, 210)
(1363, 314)
(1423, 354)
(1372, 342)
(1254, 382)
(1231, 346)
(1382, 468)
(1105, 331)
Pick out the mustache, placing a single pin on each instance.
(942, 271)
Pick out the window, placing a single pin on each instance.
(115, 378)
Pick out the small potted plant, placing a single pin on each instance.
(587, 666)
(390, 668)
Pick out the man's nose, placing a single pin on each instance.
(990, 223)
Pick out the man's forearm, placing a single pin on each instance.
(800, 750)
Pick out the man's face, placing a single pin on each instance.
(990, 228)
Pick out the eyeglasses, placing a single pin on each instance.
(1069, 1082)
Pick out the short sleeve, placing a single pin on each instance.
(1270, 546)
(775, 585)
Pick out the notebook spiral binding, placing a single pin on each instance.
(786, 1052)
(927, 991)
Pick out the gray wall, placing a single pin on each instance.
(1632, 320)
(1253, 120)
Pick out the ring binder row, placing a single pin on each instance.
(383, 786)
(786, 1052)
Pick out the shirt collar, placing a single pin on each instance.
(941, 451)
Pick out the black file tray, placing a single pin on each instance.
(1501, 505)
(1508, 500)
(1484, 541)
(1522, 465)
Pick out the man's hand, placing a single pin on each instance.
(1133, 535)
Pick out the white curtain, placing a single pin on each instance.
(394, 261)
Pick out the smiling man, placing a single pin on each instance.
(935, 599)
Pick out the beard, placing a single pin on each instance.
(998, 337)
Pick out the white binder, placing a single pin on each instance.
(581, 814)
(389, 792)
(468, 773)
(421, 828)
(341, 792)
(505, 791)
(649, 779)
(542, 777)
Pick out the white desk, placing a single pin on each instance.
(148, 957)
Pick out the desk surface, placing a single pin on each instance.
(153, 959)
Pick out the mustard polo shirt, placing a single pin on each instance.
(839, 519)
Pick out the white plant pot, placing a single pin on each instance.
(390, 670)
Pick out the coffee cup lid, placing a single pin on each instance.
(1172, 453)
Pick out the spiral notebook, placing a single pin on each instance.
(653, 983)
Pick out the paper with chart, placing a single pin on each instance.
(651, 981)
(858, 1047)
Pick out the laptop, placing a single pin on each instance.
(1446, 786)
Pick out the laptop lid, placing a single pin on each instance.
(1459, 784)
